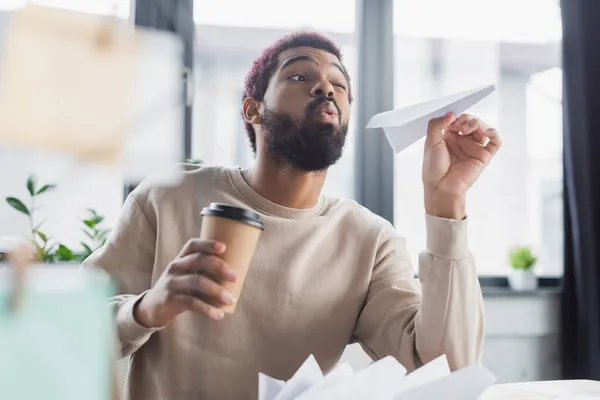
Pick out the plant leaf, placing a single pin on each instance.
(31, 184)
(63, 253)
(38, 226)
(89, 235)
(46, 188)
(42, 236)
(98, 219)
(89, 222)
(17, 205)
(522, 258)
(42, 255)
(48, 257)
(103, 234)
(87, 248)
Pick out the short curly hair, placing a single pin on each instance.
(257, 80)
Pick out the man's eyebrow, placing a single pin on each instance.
(296, 59)
(342, 70)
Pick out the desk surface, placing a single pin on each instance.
(544, 390)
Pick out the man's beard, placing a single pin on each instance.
(309, 145)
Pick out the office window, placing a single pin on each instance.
(230, 35)
(518, 200)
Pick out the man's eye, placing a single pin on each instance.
(298, 78)
(340, 85)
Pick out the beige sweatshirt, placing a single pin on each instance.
(321, 278)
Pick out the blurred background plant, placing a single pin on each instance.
(94, 232)
(48, 249)
(522, 258)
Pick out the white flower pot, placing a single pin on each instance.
(522, 280)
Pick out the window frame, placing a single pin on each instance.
(374, 159)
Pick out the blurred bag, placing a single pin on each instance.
(58, 341)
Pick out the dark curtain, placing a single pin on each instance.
(581, 104)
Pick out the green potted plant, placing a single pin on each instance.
(49, 250)
(522, 276)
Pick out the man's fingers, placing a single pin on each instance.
(451, 140)
(200, 262)
(466, 124)
(436, 128)
(458, 122)
(493, 139)
(202, 246)
(479, 138)
(196, 305)
(469, 127)
(473, 150)
(202, 287)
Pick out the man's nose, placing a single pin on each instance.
(322, 88)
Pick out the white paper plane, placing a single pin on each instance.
(404, 126)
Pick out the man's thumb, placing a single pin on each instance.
(436, 128)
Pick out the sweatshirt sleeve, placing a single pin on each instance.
(419, 321)
(128, 257)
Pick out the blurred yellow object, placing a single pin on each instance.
(67, 82)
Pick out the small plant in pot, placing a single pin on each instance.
(522, 261)
(49, 250)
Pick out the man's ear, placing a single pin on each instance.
(251, 112)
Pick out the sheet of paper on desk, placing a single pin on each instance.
(90, 86)
(382, 380)
(405, 126)
(339, 373)
(268, 388)
(545, 390)
(379, 381)
(465, 384)
(58, 343)
(307, 376)
(431, 371)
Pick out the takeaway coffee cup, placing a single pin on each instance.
(239, 229)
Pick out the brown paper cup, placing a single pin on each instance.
(239, 229)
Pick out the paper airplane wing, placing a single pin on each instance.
(404, 126)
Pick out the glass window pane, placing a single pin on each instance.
(277, 14)
(227, 43)
(518, 200)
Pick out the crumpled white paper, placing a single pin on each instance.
(385, 379)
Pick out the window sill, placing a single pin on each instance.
(498, 286)
(508, 292)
